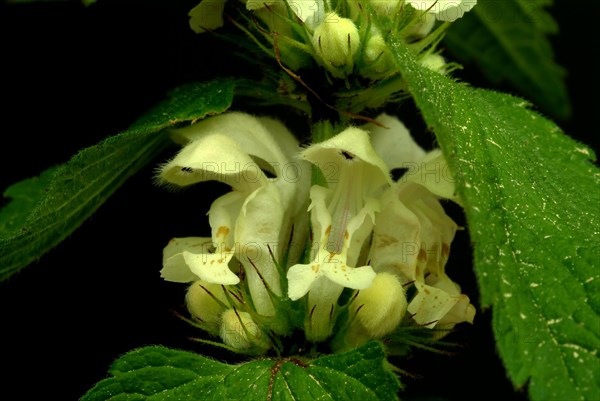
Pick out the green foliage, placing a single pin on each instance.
(46, 211)
(158, 373)
(531, 196)
(536, 13)
(507, 39)
(24, 197)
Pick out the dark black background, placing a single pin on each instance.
(72, 76)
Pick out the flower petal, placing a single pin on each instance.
(394, 143)
(357, 278)
(433, 173)
(359, 230)
(300, 279)
(462, 311)
(350, 146)
(263, 138)
(431, 304)
(436, 228)
(174, 267)
(214, 157)
(211, 267)
(396, 238)
(311, 12)
(322, 302)
(222, 217)
(320, 218)
(258, 228)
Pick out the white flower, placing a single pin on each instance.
(208, 14)
(248, 222)
(342, 218)
(412, 233)
(444, 10)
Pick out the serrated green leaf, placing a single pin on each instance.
(80, 186)
(531, 196)
(161, 374)
(367, 370)
(506, 38)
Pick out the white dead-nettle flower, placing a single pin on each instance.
(412, 234)
(253, 219)
(342, 217)
(444, 10)
(208, 14)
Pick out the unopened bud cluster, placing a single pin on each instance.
(347, 38)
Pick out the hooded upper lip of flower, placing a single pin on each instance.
(257, 213)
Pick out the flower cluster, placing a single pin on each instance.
(345, 37)
(376, 253)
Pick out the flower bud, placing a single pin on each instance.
(206, 302)
(377, 57)
(420, 27)
(241, 332)
(380, 308)
(384, 7)
(336, 40)
(434, 62)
